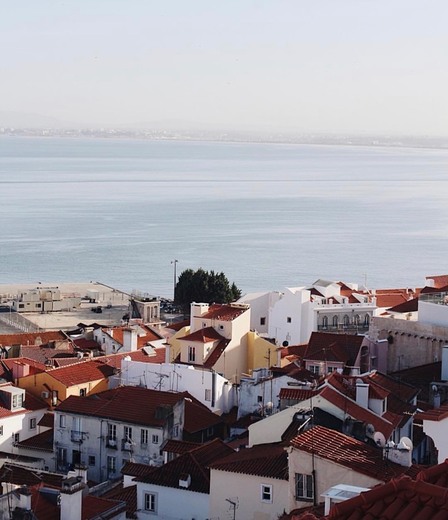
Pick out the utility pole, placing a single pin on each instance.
(174, 264)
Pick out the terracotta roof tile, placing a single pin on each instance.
(337, 347)
(42, 441)
(47, 420)
(178, 447)
(224, 312)
(81, 372)
(346, 451)
(198, 417)
(131, 404)
(205, 335)
(194, 463)
(96, 507)
(23, 476)
(215, 354)
(296, 394)
(125, 494)
(31, 338)
(399, 499)
(436, 414)
(146, 334)
(265, 460)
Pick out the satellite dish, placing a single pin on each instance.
(434, 388)
(379, 439)
(285, 344)
(405, 444)
(370, 430)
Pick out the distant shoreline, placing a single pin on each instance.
(431, 143)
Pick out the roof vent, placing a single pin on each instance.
(184, 480)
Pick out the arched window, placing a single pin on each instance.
(335, 321)
(357, 319)
(346, 321)
(325, 322)
(366, 320)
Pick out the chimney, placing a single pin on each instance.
(71, 498)
(401, 453)
(129, 339)
(167, 352)
(20, 369)
(184, 480)
(362, 393)
(25, 498)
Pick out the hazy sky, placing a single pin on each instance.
(370, 66)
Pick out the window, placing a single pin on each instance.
(357, 320)
(21, 305)
(259, 398)
(262, 321)
(325, 322)
(33, 423)
(210, 431)
(366, 320)
(127, 433)
(304, 487)
(111, 465)
(288, 319)
(62, 421)
(208, 394)
(91, 460)
(331, 369)
(150, 502)
(191, 354)
(266, 493)
(61, 458)
(112, 432)
(82, 392)
(144, 434)
(221, 327)
(1, 430)
(155, 439)
(176, 430)
(335, 321)
(315, 369)
(346, 321)
(16, 437)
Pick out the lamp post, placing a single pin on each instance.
(174, 264)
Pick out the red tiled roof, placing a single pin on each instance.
(177, 325)
(296, 394)
(399, 499)
(42, 354)
(216, 353)
(96, 507)
(114, 360)
(265, 460)
(81, 372)
(42, 442)
(205, 335)
(86, 344)
(194, 463)
(223, 312)
(359, 413)
(346, 451)
(178, 447)
(439, 281)
(23, 476)
(198, 417)
(126, 494)
(407, 306)
(126, 403)
(294, 371)
(142, 340)
(297, 350)
(333, 347)
(436, 414)
(390, 300)
(400, 389)
(437, 475)
(31, 338)
(47, 420)
(134, 469)
(7, 366)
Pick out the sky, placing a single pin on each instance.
(320, 66)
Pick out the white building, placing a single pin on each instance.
(206, 385)
(106, 430)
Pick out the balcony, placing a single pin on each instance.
(126, 445)
(111, 442)
(77, 436)
(344, 329)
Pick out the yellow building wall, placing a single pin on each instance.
(260, 352)
(44, 382)
(175, 344)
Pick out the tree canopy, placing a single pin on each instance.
(205, 287)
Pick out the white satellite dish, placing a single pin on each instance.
(405, 444)
(379, 439)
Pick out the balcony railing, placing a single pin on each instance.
(343, 329)
(439, 298)
(126, 445)
(77, 436)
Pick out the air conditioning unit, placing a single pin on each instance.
(45, 395)
(112, 442)
(127, 446)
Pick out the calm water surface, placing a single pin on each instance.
(267, 215)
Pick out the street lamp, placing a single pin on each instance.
(174, 264)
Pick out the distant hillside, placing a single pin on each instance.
(25, 120)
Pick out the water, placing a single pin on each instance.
(268, 215)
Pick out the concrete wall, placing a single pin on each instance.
(260, 352)
(173, 503)
(245, 492)
(327, 474)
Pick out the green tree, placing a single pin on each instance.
(205, 287)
